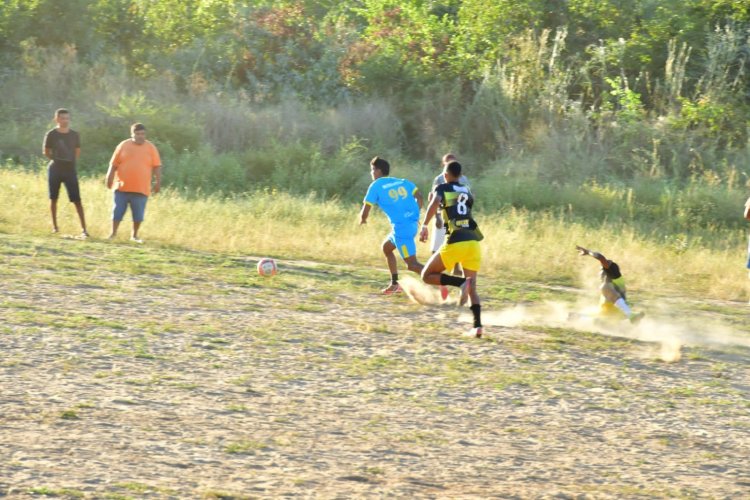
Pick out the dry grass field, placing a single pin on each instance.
(520, 245)
(155, 372)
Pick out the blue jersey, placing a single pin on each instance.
(395, 197)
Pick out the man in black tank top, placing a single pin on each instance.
(62, 146)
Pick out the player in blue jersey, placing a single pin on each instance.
(401, 202)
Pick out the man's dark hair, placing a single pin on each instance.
(454, 168)
(381, 165)
(136, 127)
(61, 111)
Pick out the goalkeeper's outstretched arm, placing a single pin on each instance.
(601, 258)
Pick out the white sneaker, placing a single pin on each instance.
(136, 240)
(474, 332)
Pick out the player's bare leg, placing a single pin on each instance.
(53, 211)
(115, 225)
(444, 289)
(433, 269)
(438, 238)
(433, 274)
(134, 234)
(413, 265)
(82, 218)
(390, 258)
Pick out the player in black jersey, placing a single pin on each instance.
(612, 301)
(462, 244)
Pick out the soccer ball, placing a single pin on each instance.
(267, 267)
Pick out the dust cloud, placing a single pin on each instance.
(422, 293)
(669, 333)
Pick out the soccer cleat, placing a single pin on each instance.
(475, 332)
(636, 317)
(465, 291)
(444, 292)
(136, 240)
(393, 289)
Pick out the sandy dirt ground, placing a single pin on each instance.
(163, 376)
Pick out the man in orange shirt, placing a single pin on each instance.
(133, 164)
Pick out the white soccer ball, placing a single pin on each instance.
(267, 267)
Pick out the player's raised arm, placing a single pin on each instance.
(601, 258)
(432, 209)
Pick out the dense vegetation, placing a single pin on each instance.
(618, 110)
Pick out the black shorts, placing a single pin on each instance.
(63, 173)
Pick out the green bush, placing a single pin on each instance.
(205, 172)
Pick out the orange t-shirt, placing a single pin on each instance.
(134, 164)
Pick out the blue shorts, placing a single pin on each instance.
(137, 202)
(402, 236)
(58, 173)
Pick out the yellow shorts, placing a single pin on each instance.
(466, 253)
(609, 310)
